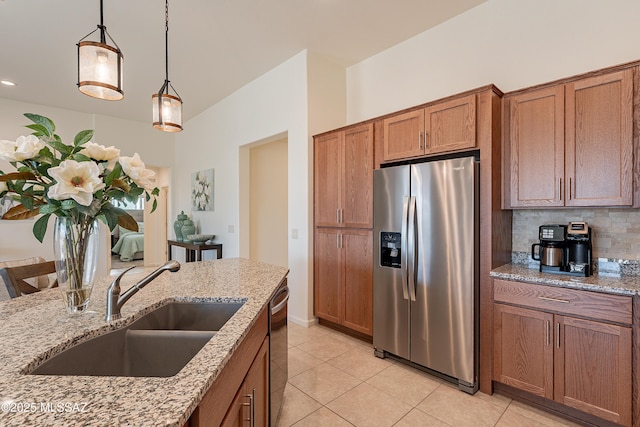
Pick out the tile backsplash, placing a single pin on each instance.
(615, 232)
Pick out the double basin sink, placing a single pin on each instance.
(159, 344)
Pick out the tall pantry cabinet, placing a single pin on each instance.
(343, 220)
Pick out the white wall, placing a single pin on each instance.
(273, 104)
(511, 43)
(155, 148)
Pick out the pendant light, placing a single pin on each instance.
(167, 108)
(100, 66)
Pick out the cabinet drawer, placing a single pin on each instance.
(612, 308)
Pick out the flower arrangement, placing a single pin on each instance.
(76, 181)
(201, 190)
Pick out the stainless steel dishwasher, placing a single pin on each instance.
(278, 347)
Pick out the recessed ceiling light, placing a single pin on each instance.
(7, 83)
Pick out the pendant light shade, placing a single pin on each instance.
(167, 108)
(100, 66)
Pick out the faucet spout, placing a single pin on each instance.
(115, 301)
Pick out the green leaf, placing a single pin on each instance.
(111, 213)
(80, 157)
(156, 191)
(41, 120)
(68, 204)
(115, 173)
(40, 227)
(26, 201)
(62, 148)
(82, 137)
(39, 130)
(155, 205)
(48, 209)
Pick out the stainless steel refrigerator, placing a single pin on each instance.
(425, 281)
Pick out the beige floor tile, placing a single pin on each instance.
(324, 382)
(295, 406)
(461, 409)
(365, 406)
(360, 363)
(513, 419)
(326, 347)
(297, 334)
(323, 417)
(300, 361)
(417, 418)
(544, 418)
(405, 383)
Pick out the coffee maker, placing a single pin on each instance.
(578, 249)
(564, 249)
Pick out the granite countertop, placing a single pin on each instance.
(623, 285)
(36, 325)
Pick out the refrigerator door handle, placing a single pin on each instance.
(411, 247)
(403, 246)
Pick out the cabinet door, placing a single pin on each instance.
(357, 206)
(599, 140)
(328, 157)
(256, 384)
(593, 368)
(358, 280)
(536, 141)
(451, 125)
(523, 349)
(403, 135)
(250, 405)
(328, 275)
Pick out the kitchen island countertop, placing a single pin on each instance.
(624, 285)
(37, 325)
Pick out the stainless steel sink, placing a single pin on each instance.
(186, 316)
(158, 344)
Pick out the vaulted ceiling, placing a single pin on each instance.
(215, 46)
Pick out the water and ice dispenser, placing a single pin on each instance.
(390, 249)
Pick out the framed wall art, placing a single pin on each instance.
(202, 190)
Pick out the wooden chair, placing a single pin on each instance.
(13, 277)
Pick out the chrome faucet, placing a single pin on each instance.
(115, 301)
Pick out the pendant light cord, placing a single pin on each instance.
(166, 40)
(103, 40)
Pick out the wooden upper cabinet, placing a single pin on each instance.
(536, 136)
(442, 127)
(404, 135)
(572, 144)
(328, 157)
(599, 140)
(343, 175)
(357, 204)
(451, 125)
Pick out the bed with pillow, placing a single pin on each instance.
(129, 244)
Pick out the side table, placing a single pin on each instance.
(191, 249)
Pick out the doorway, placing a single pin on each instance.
(268, 201)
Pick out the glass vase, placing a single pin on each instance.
(75, 252)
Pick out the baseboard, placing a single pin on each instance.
(302, 322)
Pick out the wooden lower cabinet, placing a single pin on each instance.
(247, 373)
(250, 403)
(583, 364)
(343, 277)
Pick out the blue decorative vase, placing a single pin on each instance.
(177, 226)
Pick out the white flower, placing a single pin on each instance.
(25, 147)
(136, 170)
(101, 153)
(75, 180)
(3, 187)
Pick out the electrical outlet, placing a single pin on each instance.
(294, 233)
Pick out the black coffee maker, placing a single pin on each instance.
(578, 244)
(564, 249)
